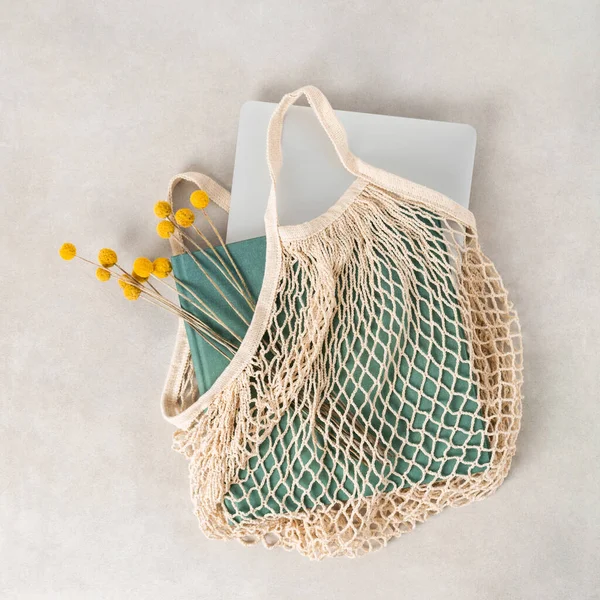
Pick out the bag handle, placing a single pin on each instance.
(337, 134)
(177, 395)
(326, 116)
(218, 194)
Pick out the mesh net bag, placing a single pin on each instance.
(378, 383)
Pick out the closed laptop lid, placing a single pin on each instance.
(436, 154)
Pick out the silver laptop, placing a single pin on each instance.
(436, 154)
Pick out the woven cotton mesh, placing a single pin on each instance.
(385, 388)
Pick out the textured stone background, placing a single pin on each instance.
(101, 102)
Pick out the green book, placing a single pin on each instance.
(430, 417)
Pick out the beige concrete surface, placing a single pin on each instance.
(101, 102)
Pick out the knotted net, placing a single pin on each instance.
(385, 386)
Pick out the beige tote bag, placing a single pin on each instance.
(379, 380)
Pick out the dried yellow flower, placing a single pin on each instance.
(107, 257)
(162, 268)
(185, 217)
(162, 209)
(143, 267)
(199, 199)
(125, 279)
(102, 274)
(131, 292)
(165, 229)
(67, 251)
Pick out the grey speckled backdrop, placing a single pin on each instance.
(101, 102)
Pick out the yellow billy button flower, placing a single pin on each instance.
(125, 280)
(143, 267)
(131, 292)
(165, 229)
(185, 217)
(107, 257)
(162, 268)
(67, 251)
(102, 274)
(199, 199)
(162, 209)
